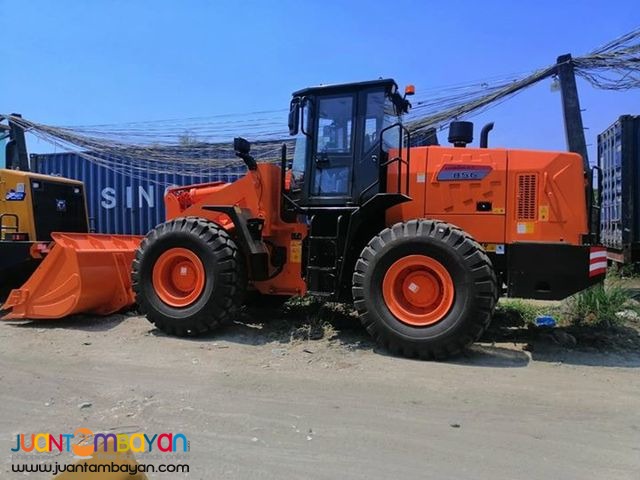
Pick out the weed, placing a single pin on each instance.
(518, 313)
(600, 306)
(618, 272)
(313, 318)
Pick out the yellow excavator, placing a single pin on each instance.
(32, 206)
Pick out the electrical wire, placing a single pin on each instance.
(200, 145)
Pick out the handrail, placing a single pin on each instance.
(3, 227)
(401, 161)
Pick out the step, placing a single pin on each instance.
(322, 269)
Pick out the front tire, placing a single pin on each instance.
(424, 289)
(187, 276)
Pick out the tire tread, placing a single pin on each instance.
(231, 278)
(477, 263)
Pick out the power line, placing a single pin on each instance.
(199, 145)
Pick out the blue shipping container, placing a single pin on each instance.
(119, 202)
(619, 159)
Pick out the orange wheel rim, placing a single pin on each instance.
(178, 277)
(418, 290)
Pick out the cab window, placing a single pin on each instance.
(335, 121)
(373, 120)
(299, 165)
(379, 115)
(392, 137)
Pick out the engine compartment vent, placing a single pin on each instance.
(527, 196)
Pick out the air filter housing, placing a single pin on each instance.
(460, 133)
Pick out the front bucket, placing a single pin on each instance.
(83, 273)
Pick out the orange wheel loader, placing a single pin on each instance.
(422, 239)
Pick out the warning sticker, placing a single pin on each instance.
(525, 227)
(295, 251)
(543, 213)
(497, 248)
(489, 247)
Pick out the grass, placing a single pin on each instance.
(603, 305)
(625, 271)
(517, 312)
(315, 317)
(600, 305)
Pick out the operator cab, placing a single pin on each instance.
(343, 137)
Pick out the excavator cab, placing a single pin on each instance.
(344, 134)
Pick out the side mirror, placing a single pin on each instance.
(294, 116)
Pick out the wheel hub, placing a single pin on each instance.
(418, 290)
(178, 277)
(184, 276)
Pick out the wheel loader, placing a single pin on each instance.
(32, 206)
(423, 239)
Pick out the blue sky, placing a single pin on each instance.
(82, 62)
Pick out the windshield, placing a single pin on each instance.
(335, 119)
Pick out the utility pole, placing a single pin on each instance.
(573, 127)
(574, 132)
(17, 148)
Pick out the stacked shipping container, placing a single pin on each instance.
(619, 159)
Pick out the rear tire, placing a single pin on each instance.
(187, 276)
(455, 279)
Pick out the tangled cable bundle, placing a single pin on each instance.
(201, 145)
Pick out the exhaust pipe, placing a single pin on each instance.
(484, 135)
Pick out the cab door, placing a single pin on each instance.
(332, 150)
(367, 163)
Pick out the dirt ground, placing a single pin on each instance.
(261, 399)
